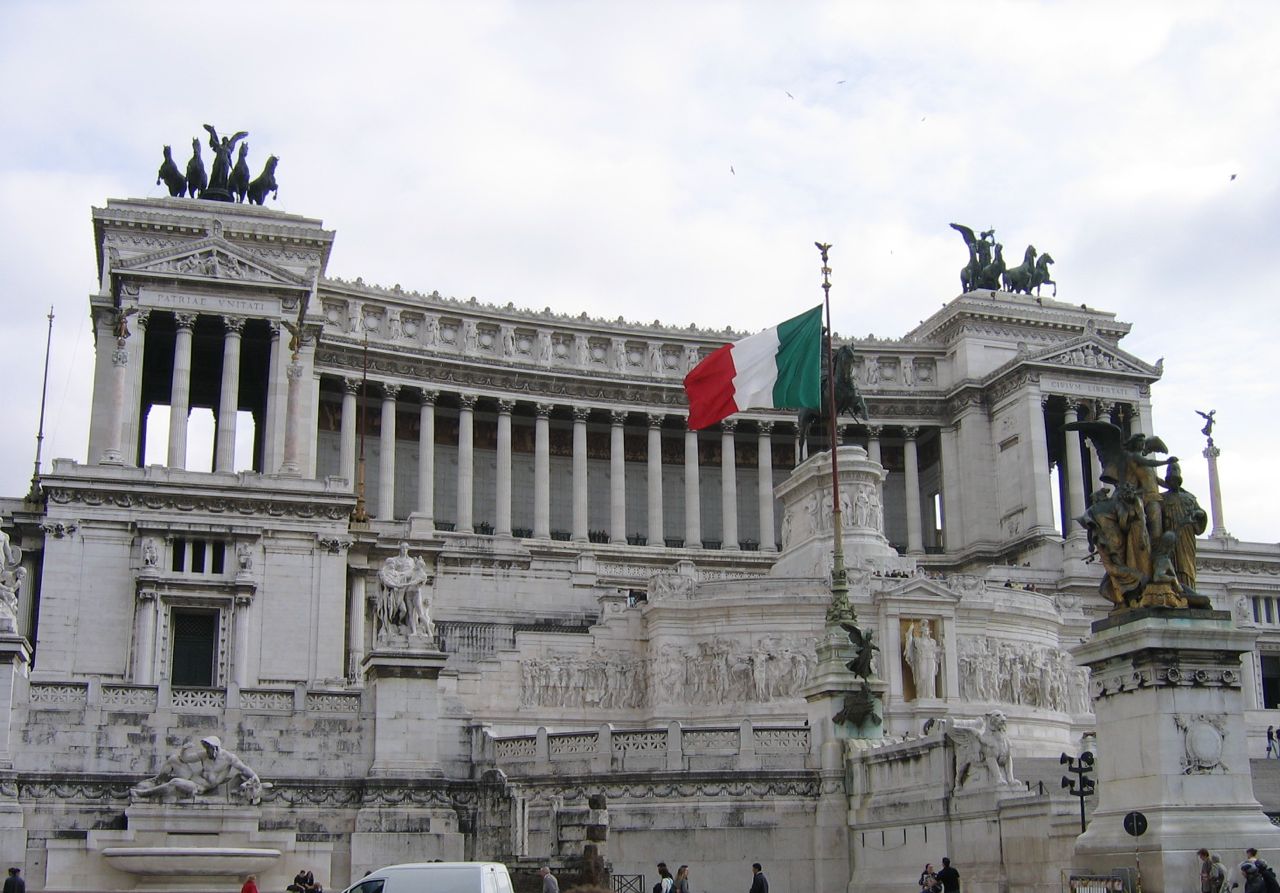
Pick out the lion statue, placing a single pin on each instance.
(982, 751)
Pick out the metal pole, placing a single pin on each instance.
(840, 608)
(33, 495)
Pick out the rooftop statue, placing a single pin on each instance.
(221, 172)
(199, 767)
(986, 268)
(980, 249)
(225, 181)
(1144, 538)
(12, 576)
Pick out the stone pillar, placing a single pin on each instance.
(502, 491)
(1036, 479)
(347, 448)
(542, 471)
(692, 491)
(873, 442)
(291, 463)
(224, 453)
(427, 460)
(15, 661)
(308, 432)
(728, 487)
(406, 712)
(1075, 475)
(580, 414)
(131, 441)
(240, 670)
(111, 447)
(617, 476)
(655, 480)
(910, 461)
(144, 656)
(356, 600)
(1211, 454)
(180, 395)
(952, 516)
(764, 467)
(466, 461)
(387, 455)
(1142, 420)
(271, 416)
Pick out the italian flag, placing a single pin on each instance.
(779, 368)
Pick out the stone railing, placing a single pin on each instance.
(475, 641)
(674, 748)
(150, 698)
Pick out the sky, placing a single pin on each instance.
(677, 161)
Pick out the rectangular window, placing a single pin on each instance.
(219, 556)
(197, 556)
(1270, 681)
(179, 555)
(195, 648)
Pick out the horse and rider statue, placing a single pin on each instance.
(986, 267)
(847, 398)
(228, 182)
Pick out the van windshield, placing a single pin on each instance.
(437, 880)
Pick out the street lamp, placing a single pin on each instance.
(1083, 785)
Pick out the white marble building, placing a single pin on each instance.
(625, 606)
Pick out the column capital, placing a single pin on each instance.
(352, 385)
(234, 325)
(505, 407)
(617, 417)
(428, 397)
(1211, 452)
(1044, 400)
(875, 430)
(185, 320)
(273, 326)
(765, 429)
(911, 432)
(142, 317)
(120, 356)
(656, 419)
(543, 410)
(1072, 408)
(468, 401)
(294, 372)
(581, 413)
(728, 426)
(390, 391)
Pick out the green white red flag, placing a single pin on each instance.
(779, 368)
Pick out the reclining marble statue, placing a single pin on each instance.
(1145, 538)
(200, 767)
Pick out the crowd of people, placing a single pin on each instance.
(1257, 875)
(944, 880)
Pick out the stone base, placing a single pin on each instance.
(406, 703)
(1171, 745)
(826, 694)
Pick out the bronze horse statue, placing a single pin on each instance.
(848, 400)
(174, 179)
(265, 182)
(991, 273)
(1019, 278)
(1040, 276)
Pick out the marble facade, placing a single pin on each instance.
(621, 606)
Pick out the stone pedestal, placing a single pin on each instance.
(825, 694)
(406, 705)
(1172, 745)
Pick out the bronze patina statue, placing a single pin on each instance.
(980, 248)
(1144, 538)
(848, 399)
(225, 182)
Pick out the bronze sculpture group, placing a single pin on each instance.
(227, 182)
(848, 399)
(986, 268)
(1144, 529)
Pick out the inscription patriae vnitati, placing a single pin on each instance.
(1089, 388)
(211, 303)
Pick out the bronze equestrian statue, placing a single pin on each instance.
(848, 400)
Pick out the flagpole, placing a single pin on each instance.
(840, 607)
(33, 495)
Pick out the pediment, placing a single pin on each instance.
(921, 590)
(1090, 353)
(211, 259)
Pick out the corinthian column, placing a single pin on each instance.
(655, 480)
(112, 453)
(466, 461)
(764, 466)
(915, 541)
(873, 443)
(502, 492)
(347, 444)
(427, 458)
(1211, 454)
(1075, 477)
(542, 471)
(728, 486)
(692, 490)
(291, 463)
(617, 477)
(180, 396)
(229, 396)
(580, 414)
(387, 454)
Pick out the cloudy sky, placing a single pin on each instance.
(677, 161)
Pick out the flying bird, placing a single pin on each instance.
(789, 96)
(732, 171)
(1233, 176)
(839, 82)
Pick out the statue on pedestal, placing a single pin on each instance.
(12, 576)
(921, 652)
(1145, 538)
(401, 603)
(199, 767)
(983, 755)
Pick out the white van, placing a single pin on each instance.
(436, 877)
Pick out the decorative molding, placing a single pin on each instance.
(228, 503)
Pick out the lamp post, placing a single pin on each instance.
(1082, 785)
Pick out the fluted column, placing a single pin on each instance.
(466, 461)
(224, 453)
(764, 466)
(427, 458)
(1219, 530)
(655, 480)
(1075, 478)
(291, 460)
(617, 477)
(502, 490)
(111, 448)
(1102, 413)
(347, 443)
(728, 487)
(240, 619)
(387, 454)
(180, 397)
(580, 415)
(133, 425)
(915, 541)
(873, 442)
(542, 471)
(356, 624)
(1037, 472)
(271, 415)
(144, 657)
(692, 490)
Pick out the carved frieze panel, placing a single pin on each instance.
(994, 670)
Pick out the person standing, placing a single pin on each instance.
(928, 879)
(14, 882)
(250, 884)
(549, 882)
(665, 880)
(1271, 742)
(1206, 872)
(682, 880)
(759, 883)
(949, 877)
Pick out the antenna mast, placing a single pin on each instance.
(33, 495)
